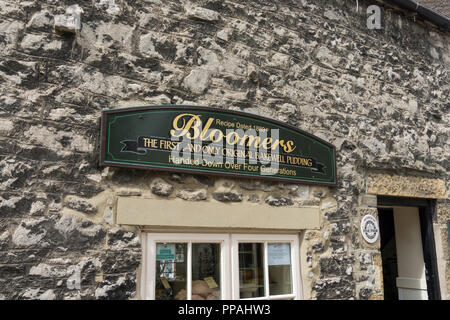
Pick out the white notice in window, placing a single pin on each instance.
(279, 254)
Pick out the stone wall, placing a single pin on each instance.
(380, 96)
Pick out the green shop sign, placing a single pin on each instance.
(214, 141)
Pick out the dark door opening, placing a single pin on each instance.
(388, 253)
(388, 246)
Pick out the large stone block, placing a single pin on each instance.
(69, 22)
(204, 14)
(77, 233)
(406, 186)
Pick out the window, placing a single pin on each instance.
(266, 267)
(220, 266)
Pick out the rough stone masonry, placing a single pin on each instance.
(381, 97)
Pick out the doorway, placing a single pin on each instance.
(407, 249)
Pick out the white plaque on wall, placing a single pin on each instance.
(369, 228)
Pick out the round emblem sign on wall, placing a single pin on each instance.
(369, 228)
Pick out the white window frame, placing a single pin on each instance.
(229, 261)
(265, 239)
(148, 277)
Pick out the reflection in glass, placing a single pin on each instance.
(251, 270)
(279, 261)
(171, 271)
(205, 271)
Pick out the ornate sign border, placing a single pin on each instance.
(191, 108)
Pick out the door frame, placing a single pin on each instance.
(427, 213)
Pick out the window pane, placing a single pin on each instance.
(251, 270)
(279, 261)
(171, 271)
(205, 271)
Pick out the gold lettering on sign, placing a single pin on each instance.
(190, 126)
(146, 143)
